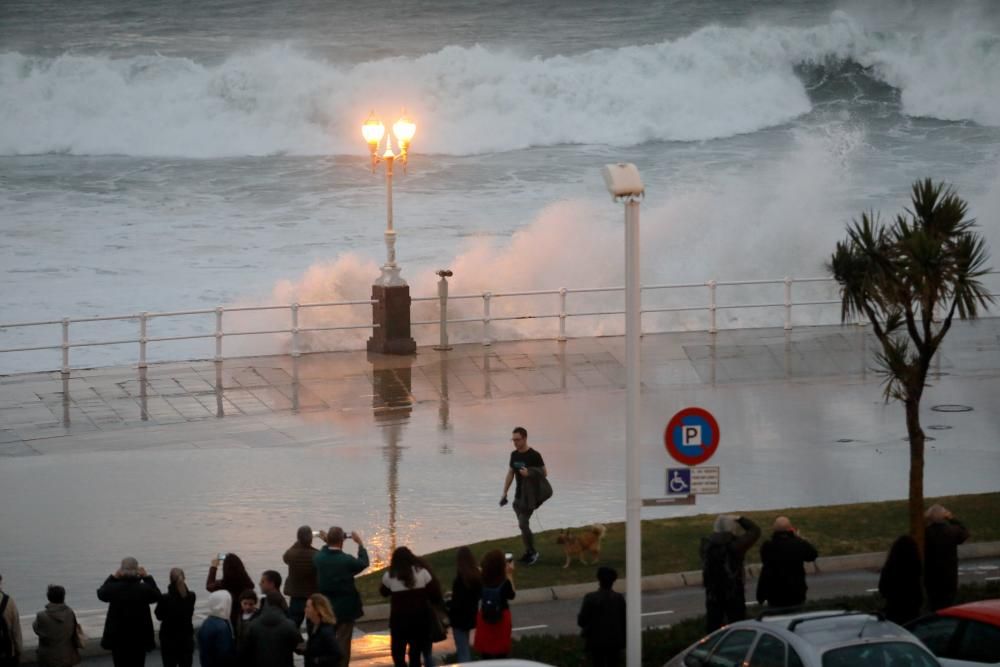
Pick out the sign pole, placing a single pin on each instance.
(633, 496)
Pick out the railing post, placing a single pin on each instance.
(443, 309)
(65, 346)
(295, 329)
(486, 319)
(143, 320)
(711, 307)
(788, 303)
(218, 333)
(562, 315)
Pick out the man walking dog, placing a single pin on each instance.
(533, 488)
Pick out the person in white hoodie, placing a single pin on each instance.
(216, 645)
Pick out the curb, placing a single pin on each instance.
(692, 578)
(651, 583)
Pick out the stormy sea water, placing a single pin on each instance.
(164, 155)
(160, 156)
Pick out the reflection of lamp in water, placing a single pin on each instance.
(392, 404)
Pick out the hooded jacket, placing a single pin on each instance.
(56, 630)
(216, 646)
(270, 640)
(738, 546)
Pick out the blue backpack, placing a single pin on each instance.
(492, 604)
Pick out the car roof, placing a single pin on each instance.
(987, 611)
(822, 630)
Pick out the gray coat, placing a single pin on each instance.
(56, 630)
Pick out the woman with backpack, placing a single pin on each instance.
(493, 623)
(466, 590)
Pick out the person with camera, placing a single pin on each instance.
(528, 469)
(782, 581)
(493, 622)
(944, 534)
(175, 611)
(301, 581)
(128, 626)
(335, 572)
(234, 581)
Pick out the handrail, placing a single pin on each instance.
(711, 307)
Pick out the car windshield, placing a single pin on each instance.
(880, 654)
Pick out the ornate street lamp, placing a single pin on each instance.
(390, 293)
(373, 131)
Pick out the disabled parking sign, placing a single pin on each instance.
(692, 436)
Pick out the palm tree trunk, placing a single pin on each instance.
(916, 505)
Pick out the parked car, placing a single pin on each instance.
(811, 639)
(965, 635)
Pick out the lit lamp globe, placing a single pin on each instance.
(372, 131)
(404, 129)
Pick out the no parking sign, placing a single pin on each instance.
(692, 436)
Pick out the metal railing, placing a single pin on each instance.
(710, 306)
(143, 339)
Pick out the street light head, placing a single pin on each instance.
(404, 129)
(623, 181)
(373, 130)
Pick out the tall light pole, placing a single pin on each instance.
(390, 293)
(373, 131)
(625, 185)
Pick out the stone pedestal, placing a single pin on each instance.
(392, 313)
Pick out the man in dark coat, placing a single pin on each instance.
(944, 534)
(271, 639)
(128, 626)
(301, 580)
(602, 620)
(335, 572)
(722, 573)
(782, 581)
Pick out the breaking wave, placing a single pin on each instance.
(715, 82)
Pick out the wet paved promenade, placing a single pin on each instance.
(184, 460)
(278, 400)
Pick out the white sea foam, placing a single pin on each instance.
(715, 82)
(686, 236)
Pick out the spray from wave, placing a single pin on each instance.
(716, 82)
(578, 243)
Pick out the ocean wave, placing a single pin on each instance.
(716, 82)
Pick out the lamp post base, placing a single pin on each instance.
(391, 313)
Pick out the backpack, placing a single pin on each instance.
(492, 604)
(722, 570)
(6, 642)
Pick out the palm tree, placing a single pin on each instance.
(900, 276)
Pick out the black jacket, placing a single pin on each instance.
(738, 548)
(174, 614)
(941, 561)
(782, 581)
(602, 620)
(270, 640)
(128, 624)
(899, 584)
(322, 649)
(464, 604)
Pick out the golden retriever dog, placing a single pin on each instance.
(580, 542)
